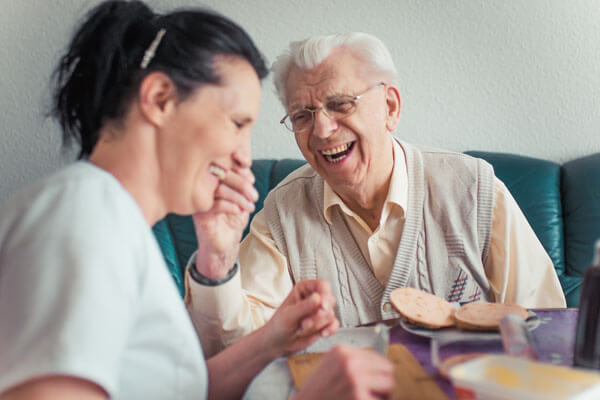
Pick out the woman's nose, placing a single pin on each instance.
(242, 157)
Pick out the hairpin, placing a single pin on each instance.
(149, 53)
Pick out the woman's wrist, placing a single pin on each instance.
(270, 344)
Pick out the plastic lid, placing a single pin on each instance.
(504, 377)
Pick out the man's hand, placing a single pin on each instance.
(305, 315)
(219, 230)
(350, 373)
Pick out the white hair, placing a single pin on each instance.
(309, 53)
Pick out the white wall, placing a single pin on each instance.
(519, 76)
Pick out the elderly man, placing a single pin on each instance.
(368, 213)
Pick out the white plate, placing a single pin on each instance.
(274, 382)
(533, 321)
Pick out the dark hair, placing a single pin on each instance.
(101, 71)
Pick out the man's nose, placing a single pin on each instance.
(323, 126)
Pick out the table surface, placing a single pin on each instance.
(554, 339)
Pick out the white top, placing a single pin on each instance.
(84, 291)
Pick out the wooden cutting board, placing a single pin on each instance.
(412, 381)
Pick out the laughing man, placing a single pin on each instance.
(368, 213)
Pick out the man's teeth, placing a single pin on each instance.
(339, 149)
(217, 171)
(337, 154)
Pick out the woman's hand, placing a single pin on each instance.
(219, 230)
(350, 373)
(306, 314)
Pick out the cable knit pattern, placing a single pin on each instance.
(445, 238)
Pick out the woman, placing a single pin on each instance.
(162, 106)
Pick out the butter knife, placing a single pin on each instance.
(382, 338)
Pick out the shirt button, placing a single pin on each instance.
(387, 307)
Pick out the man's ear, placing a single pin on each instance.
(393, 102)
(157, 97)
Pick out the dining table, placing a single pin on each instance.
(553, 336)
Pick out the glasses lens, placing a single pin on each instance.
(340, 107)
(301, 120)
(336, 108)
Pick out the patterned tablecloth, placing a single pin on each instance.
(554, 338)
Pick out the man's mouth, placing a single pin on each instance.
(217, 171)
(338, 153)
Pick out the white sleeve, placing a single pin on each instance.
(68, 288)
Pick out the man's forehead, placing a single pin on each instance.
(306, 86)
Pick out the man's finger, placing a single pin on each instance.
(317, 321)
(307, 287)
(302, 309)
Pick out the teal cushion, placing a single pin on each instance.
(535, 185)
(166, 243)
(581, 199)
(177, 239)
(268, 174)
(282, 168)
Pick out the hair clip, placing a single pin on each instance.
(149, 53)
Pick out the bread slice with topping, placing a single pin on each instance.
(486, 316)
(422, 308)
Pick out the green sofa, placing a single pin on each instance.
(561, 202)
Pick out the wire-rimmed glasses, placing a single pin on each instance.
(339, 107)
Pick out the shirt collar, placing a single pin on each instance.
(397, 192)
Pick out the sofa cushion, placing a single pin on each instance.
(535, 185)
(581, 201)
(177, 239)
(268, 174)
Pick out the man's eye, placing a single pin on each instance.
(299, 117)
(239, 125)
(340, 105)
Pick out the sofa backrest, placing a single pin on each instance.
(580, 187)
(562, 204)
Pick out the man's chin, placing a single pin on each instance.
(340, 182)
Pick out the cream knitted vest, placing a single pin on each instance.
(443, 246)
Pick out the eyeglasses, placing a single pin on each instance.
(336, 108)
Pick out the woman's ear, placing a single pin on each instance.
(157, 97)
(393, 103)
